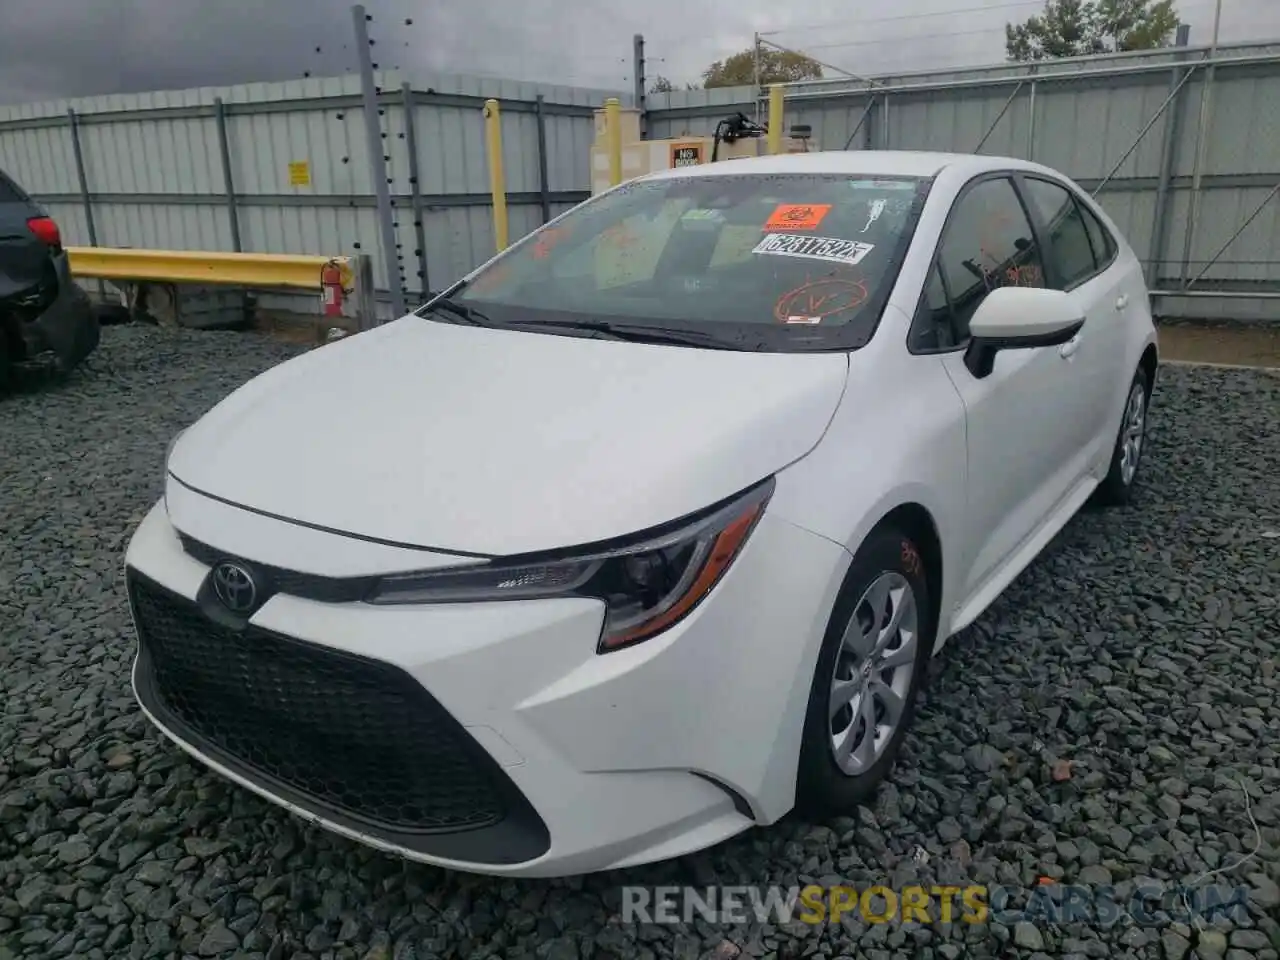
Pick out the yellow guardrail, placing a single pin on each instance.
(205, 267)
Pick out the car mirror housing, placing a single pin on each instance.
(1019, 318)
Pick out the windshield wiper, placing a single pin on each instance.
(464, 313)
(635, 333)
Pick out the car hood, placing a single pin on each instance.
(467, 439)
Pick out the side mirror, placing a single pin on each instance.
(1019, 318)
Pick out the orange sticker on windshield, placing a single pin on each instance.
(797, 216)
(546, 242)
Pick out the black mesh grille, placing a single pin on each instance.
(309, 586)
(354, 735)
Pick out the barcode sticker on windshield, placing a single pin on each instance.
(814, 248)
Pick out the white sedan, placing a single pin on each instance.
(643, 533)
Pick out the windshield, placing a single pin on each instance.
(788, 262)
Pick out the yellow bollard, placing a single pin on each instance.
(775, 118)
(497, 180)
(613, 134)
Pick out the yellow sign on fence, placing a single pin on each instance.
(300, 173)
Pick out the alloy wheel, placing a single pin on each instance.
(873, 673)
(1133, 433)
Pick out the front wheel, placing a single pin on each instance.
(871, 665)
(1117, 487)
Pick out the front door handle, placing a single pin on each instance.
(1069, 348)
(1122, 302)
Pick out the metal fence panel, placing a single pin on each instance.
(300, 167)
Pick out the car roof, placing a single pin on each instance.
(911, 163)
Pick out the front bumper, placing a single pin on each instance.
(487, 737)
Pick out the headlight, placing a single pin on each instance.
(647, 585)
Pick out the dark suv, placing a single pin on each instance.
(46, 320)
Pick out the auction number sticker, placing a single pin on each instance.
(813, 248)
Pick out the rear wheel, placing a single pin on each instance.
(872, 663)
(1117, 487)
(6, 371)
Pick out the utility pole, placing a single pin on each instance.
(377, 164)
(641, 81)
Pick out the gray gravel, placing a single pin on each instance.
(1142, 649)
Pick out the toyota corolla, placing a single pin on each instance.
(642, 534)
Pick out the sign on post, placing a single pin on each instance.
(686, 154)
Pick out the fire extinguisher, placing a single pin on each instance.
(331, 288)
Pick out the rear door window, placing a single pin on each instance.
(1071, 250)
(1100, 238)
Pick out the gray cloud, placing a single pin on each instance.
(62, 48)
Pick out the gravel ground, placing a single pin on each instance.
(1142, 649)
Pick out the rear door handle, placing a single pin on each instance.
(1070, 347)
(1122, 302)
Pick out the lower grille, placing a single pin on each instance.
(353, 739)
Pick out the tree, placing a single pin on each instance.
(1137, 24)
(661, 84)
(1076, 28)
(776, 66)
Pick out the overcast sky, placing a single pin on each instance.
(61, 48)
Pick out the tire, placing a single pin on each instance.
(5, 370)
(825, 788)
(112, 314)
(1117, 487)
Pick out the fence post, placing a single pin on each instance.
(415, 185)
(85, 197)
(228, 184)
(1197, 167)
(775, 118)
(1031, 120)
(544, 188)
(497, 179)
(365, 300)
(377, 165)
(1168, 163)
(637, 58)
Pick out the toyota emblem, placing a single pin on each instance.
(235, 587)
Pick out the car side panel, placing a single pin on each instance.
(898, 438)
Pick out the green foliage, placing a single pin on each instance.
(776, 66)
(661, 84)
(1077, 28)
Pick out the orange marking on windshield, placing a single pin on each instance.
(621, 236)
(546, 242)
(797, 216)
(816, 299)
(492, 278)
